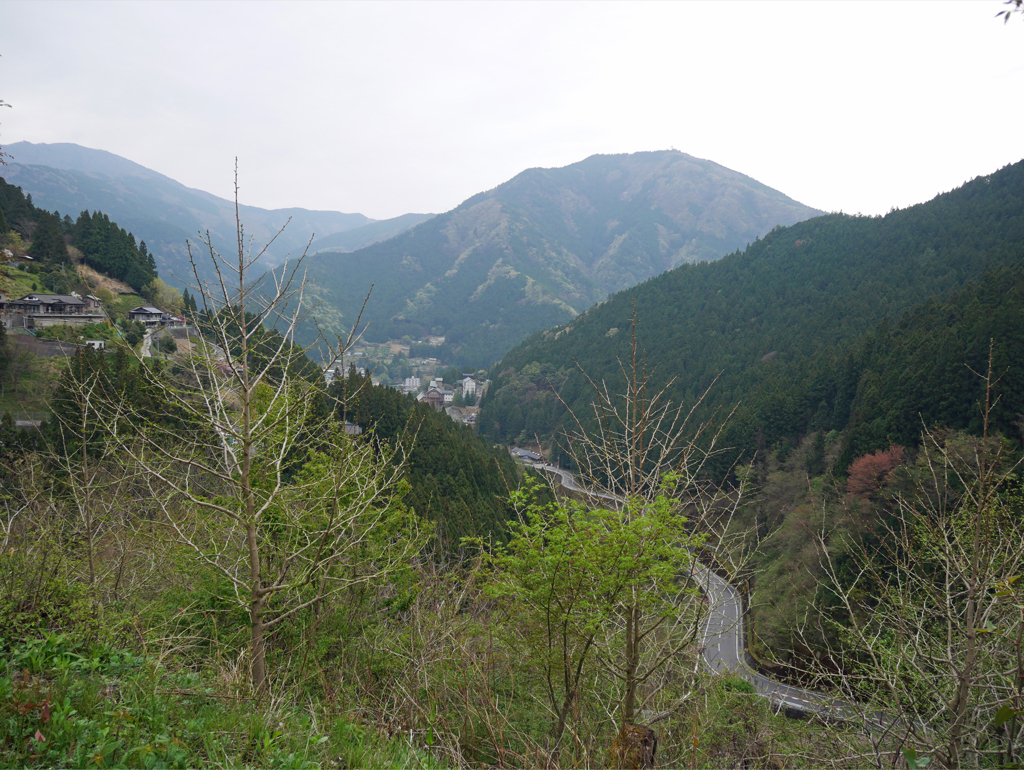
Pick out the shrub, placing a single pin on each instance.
(62, 332)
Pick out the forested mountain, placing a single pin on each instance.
(545, 246)
(924, 369)
(156, 208)
(781, 326)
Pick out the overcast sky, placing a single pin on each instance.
(386, 108)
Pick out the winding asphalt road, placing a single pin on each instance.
(724, 649)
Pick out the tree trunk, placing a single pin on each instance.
(259, 650)
(632, 662)
(563, 715)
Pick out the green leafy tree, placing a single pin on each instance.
(133, 331)
(583, 581)
(614, 579)
(163, 296)
(167, 344)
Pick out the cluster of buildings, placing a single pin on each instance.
(435, 393)
(41, 311)
(439, 397)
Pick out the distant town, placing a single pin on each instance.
(389, 363)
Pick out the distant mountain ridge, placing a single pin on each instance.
(74, 157)
(361, 237)
(158, 209)
(546, 245)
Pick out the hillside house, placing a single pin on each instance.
(149, 316)
(526, 455)
(40, 311)
(411, 385)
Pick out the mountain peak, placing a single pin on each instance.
(549, 243)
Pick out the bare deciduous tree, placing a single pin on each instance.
(933, 619)
(252, 474)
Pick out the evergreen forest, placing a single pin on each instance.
(793, 330)
(104, 246)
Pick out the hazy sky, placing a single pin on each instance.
(388, 107)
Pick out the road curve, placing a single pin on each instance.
(724, 648)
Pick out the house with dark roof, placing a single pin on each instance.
(149, 316)
(526, 455)
(39, 311)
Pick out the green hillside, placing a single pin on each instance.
(458, 481)
(105, 246)
(773, 322)
(543, 247)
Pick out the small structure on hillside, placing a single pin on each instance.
(149, 316)
(526, 455)
(470, 387)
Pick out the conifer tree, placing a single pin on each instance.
(48, 242)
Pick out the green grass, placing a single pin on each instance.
(15, 282)
(66, 703)
(36, 380)
(121, 304)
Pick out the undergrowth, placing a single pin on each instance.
(67, 703)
